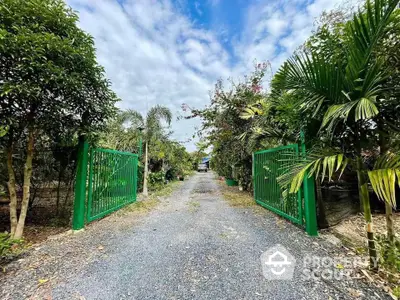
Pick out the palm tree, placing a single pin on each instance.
(351, 94)
(121, 134)
(152, 129)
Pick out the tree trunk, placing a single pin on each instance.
(60, 177)
(11, 187)
(27, 184)
(321, 217)
(383, 145)
(364, 198)
(146, 170)
(389, 222)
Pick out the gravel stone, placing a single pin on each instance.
(177, 252)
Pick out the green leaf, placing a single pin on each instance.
(365, 109)
(384, 176)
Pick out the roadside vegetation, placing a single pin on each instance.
(52, 94)
(236, 198)
(146, 204)
(341, 89)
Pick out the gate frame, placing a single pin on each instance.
(78, 220)
(83, 187)
(310, 206)
(308, 189)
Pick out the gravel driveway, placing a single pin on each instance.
(192, 246)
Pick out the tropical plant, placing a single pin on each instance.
(352, 94)
(224, 124)
(152, 130)
(50, 85)
(121, 134)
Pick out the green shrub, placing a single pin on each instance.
(9, 248)
(396, 291)
(156, 180)
(171, 174)
(389, 253)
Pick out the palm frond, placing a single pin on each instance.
(366, 109)
(309, 73)
(247, 113)
(158, 113)
(132, 116)
(366, 29)
(384, 176)
(256, 109)
(154, 119)
(312, 166)
(337, 112)
(344, 88)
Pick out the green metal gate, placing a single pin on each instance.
(111, 184)
(112, 181)
(268, 165)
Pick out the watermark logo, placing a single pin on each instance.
(278, 263)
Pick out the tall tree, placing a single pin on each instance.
(120, 134)
(223, 124)
(50, 83)
(152, 127)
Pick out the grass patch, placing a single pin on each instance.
(193, 206)
(139, 207)
(149, 203)
(237, 198)
(223, 235)
(165, 190)
(396, 291)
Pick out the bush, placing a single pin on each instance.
(9, 248)
(171, 174)
(389, 253)
(156, 180)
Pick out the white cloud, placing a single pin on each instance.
(197, 7)
(154, 54)
(214, 2)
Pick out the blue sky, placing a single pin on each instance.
(171, 52)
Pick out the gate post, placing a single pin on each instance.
(78, 221)
(310, 208)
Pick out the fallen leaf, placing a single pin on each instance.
(367, 275)
(43, 281)
(355, 293)
(339, 266)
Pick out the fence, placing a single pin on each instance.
(111, 184)
(299, 208)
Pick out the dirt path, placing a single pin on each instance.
(193, 246)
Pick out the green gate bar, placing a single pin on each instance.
(112, 181)
(309, 197)
(78, 220)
